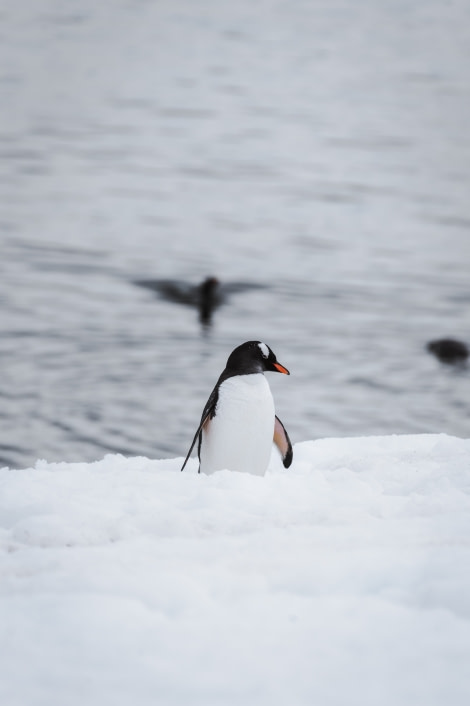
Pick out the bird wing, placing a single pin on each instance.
(229, 288)
(172, 290)
(207, 414)
(283, 443)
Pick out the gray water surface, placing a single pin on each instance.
(319, 149)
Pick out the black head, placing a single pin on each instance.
(209, 286)
(253, 357)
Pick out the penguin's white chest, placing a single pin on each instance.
(240, 436)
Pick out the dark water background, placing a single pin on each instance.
(319, 148)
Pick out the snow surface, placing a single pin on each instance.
(343, 580)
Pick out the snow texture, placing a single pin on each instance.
(344, 580)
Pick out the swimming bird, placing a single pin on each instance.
(448, 350)
(206, 296)
(238, 424)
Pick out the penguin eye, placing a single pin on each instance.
(264, 350)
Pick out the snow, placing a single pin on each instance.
(343, 580)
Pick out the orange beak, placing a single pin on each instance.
(281, 369)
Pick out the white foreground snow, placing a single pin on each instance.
(344, 580)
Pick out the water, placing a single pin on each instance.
(320, 149)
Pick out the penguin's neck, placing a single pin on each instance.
(245, 392)
(240, 372)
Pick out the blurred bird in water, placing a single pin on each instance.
(448, 350)
(206, 297)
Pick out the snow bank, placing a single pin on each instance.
(344, 580)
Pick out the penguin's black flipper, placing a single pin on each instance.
(207, 414)
(283, 443)
(196, 435)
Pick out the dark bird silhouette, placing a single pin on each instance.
(448, 350)
(206, 297)
(209, 298)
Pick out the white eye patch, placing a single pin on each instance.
(264, 350)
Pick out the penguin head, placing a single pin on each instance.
(254, 357)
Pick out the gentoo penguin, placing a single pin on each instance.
(238, 424)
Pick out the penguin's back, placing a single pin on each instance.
(240, 435)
